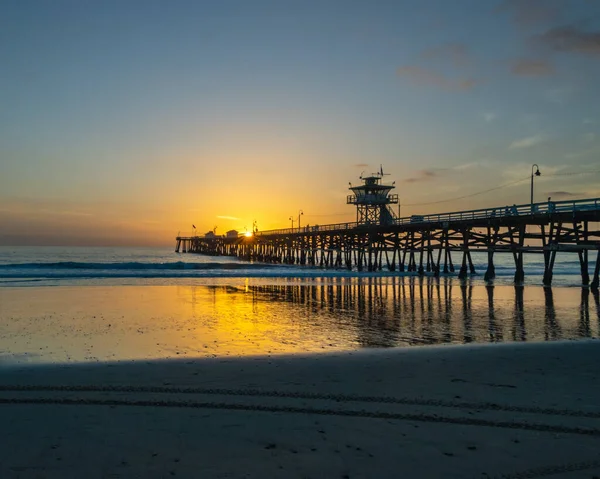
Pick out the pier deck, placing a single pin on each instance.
(425, 243)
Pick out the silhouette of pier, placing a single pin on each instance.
(423, 244)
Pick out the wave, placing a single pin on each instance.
(180, 269)
(137, 266)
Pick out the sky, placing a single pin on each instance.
(127, 122)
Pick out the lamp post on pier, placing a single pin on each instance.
(300, 213)
(537, 173)
(291, 218)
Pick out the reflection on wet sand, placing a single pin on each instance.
(418, 311)
(552, 329)
(282, 317)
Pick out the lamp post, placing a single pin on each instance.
(536, 173)
(291, 218)
(300, 213)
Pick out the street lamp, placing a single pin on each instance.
(537, 173)
(300, 213)
(291, 218)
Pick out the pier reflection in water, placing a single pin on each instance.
(419, 311)
(258, 317)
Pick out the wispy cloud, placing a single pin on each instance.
(223, 217)
(558, 95)
(456, 53)
(529, 13)
(526, 142)
(466, 166)
(428, 174)
(570, 39)
(526, 67)
(427, 68)
(361, 165)
(589, 137)
(489, 116)
(593, 152)
(522, 170)
(427, 77)
(64, 212)
(422, 175)
(561, 194)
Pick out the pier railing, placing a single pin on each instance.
(524, 210)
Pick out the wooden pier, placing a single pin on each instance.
(422, 243)
(430, 243)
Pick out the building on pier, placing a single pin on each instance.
(373, 200)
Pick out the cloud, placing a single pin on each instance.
(570, 39)
(583, 153)
(360, 165)
(561, 194)
(526, 142)
(426, 77)
(233, 218)
(422, 175)
(528, 13)
(65, 213)
(589, 137)
(558, 95)
(466, 166)
(428, 174)
(489, 116)
(427, 69)
(526, 67)
(457, 53)
(23, 208)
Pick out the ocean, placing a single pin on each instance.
(55, 266)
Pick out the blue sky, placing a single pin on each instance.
(126, 121)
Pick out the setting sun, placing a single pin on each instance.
(248, 234)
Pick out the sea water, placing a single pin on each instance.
(52, 266)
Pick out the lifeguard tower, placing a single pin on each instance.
(372, 200)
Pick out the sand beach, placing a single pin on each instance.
(446, 411)
(334, 378)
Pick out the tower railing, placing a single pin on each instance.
(371, 199)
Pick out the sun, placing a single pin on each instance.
(247, 234)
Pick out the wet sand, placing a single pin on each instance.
(105, 323)
(511, 410)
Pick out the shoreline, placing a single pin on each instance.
(366, 352)
(308, 277)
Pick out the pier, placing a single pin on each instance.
(432, 244)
